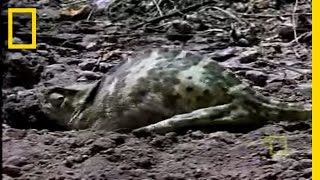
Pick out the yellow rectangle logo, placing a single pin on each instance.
(33, 12)
(284, 145)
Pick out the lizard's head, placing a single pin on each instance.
(60, 103)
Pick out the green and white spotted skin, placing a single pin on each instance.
(162, 90)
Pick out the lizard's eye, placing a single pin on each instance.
(56, 99)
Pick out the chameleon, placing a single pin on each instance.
(163, 90)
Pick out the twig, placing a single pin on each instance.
(104, 55)
(69, 40)
(294, 27)
(199, 33)
(157, 6)
(174, 13)
(306, 34)
(284, 66)
(95, 67)
(270, 15)
(230, 14)
(99, 60)
(73, 3)
(210, 31)
(90, 14)
(294, 20)
(303, 35)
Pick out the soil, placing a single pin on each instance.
(70, 48)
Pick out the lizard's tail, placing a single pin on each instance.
(280, 111)
(271, 109)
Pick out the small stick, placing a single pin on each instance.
(294, 21)
(158, 8)
(306, 34)
(174, 13)
(90, 14)
(270, 15)
(284, 66)
(230, 15)
(73, 3)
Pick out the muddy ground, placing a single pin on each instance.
(70, 48)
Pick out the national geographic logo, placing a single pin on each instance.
(33, 12)
(282, 143)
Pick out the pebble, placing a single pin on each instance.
(257, 77)
(305, 89)
(197, 135)
(90, 42)
(240, 7)
(87, 64)
(104, 67)
(88, 75)
(18, 161)
(248, 56)
(16, 40)
(223, 136)
(15, 56)
(69, 161)
(306, 163)
(12, 171)
(307, 173)
(43, 52)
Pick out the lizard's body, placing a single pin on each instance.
(163, 90)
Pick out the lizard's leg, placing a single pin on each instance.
(227, 114)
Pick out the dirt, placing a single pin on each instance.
(69, 50)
